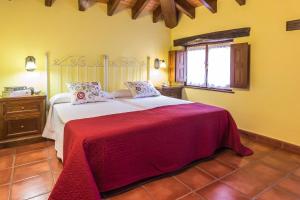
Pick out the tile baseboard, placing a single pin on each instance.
(271, 141)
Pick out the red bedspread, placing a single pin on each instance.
(108, 152)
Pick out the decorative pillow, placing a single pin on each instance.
(140, 89)
(86, 92)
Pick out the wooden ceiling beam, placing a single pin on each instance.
(185, 7)
(157, 15)
(138, 8)
(112, 6)
(49, 3)
(211, 5)
(241, 2)
(169, 12)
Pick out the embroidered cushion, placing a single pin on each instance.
(86, 92)
(140, 89)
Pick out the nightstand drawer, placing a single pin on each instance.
(174, 92)
(22, 127)
(171, 93)
(24, 106)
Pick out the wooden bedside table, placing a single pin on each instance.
(22, 119)
(171, 91)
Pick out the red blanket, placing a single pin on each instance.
(108, 152)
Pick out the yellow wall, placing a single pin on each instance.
(272, 105)
(27, 27)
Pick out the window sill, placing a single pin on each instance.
(210, 89)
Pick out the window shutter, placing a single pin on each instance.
(181, 62)
(240, 65)
(172, 67)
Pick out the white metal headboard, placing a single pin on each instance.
(111, 74)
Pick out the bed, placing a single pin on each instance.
(108, 145)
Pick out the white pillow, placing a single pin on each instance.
(60, 98)
(86, 92)
(122, 93)
(140, 89)
(108, 95)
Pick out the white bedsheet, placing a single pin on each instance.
(153, 102)
(60, 114)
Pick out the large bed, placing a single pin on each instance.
(108, 145)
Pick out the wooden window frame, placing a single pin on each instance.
(226, 90)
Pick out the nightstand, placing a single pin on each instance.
(171, 91)
(22, 119)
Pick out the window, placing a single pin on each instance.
(209, 66)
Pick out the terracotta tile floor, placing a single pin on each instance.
(29, 172)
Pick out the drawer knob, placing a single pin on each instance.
(22, 126)
(22, 108)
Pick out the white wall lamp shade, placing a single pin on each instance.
(159, 64)
(163, 64)
(30, 64)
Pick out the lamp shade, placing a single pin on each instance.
(159, 64)
(30, 64)
(163, 64)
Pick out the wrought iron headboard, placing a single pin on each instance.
(111, 74)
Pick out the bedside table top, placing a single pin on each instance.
(42, 96)
(169, 87)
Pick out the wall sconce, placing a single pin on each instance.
(159, 64)
(30, 64)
